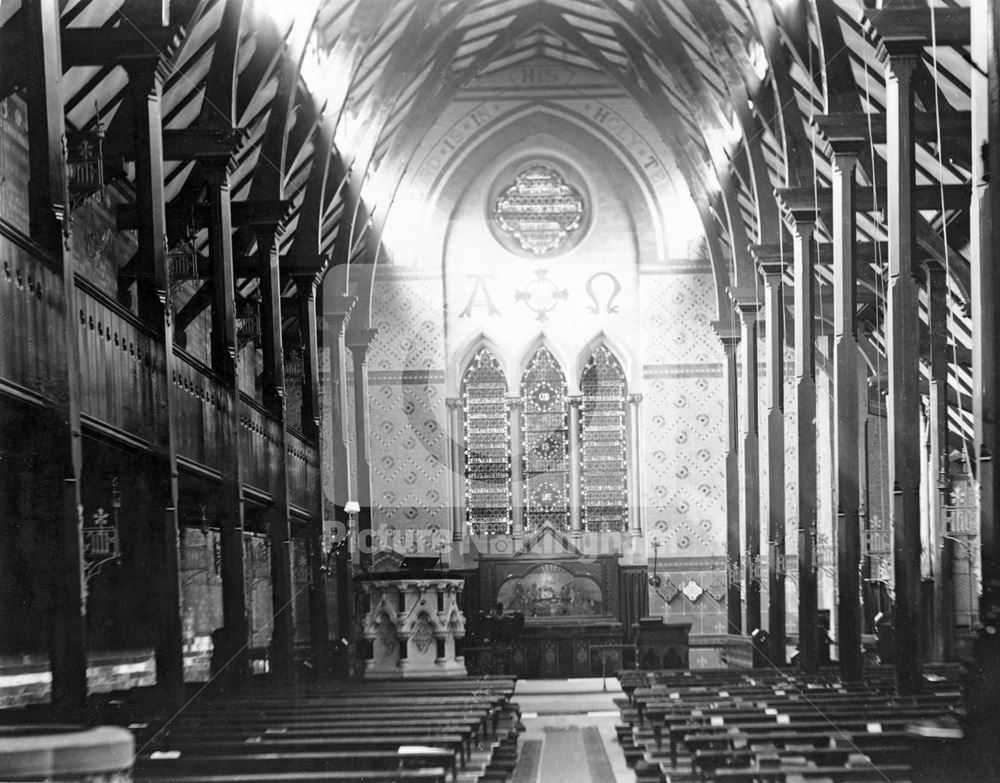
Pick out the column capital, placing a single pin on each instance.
(728, 332)
(337, 310)
(798, 208)
(575, 400)
(635, 398)
(935, 269)
(515, 401)
(215, 146)
(305, 268)
(746, 301)
(842, 134)
(772, 261)
(339, 306)
(267, 234)
(360, 340)
(453, 402)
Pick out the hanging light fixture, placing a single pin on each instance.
(654, 578)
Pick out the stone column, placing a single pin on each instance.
(903, 359)
(803, 224)
(457, 467)
(847, 429)
(985, 294)
(730, 338)
(635, 465)
(319, 625)
(771, 265)
(337, 310)
(230, 503)
(359, 341)
(279, 515)
(145, 87)
(516, 466)
(48, 222)
(937, 301)
(575, 493)
(747, 305)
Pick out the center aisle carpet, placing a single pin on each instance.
(569, 733)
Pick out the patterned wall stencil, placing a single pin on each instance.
(683, 480)
(408, 418)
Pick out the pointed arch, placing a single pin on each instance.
(466, 355)
(545, 439)
(618, 350)
(603, 443)
(486, 436)
(559, 355)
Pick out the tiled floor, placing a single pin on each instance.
(555, 713)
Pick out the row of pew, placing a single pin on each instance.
(436, 731)
(758, 726)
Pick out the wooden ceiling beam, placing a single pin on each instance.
(244, 213)
(116, 45)
(951, 26)
(202, 143)
(955, 126)
(924, 197)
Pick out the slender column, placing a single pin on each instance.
(230, 504)
(635, 463)
(771, 266)
(47, 214)
(457, 467)
(516, 468)
(984, 704)
(319, 625)
(747, 305)
(337, 310)
(145, 87)
(903, 358)
(359, 341)
(805, 386)
(985, 285)
(575, 522)
(279, 525)
(845, 411)
(305, 299)
(730, 338)
(937, 300)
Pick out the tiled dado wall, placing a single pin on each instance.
(683, 472)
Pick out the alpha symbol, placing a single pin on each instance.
(480, 297)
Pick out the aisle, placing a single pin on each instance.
(569, 732)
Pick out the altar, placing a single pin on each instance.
(569, 603)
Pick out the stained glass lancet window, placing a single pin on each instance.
(546, 444)
(603, 444)
(487, 446)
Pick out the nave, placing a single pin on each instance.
(357, 350)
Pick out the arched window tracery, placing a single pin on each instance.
(603, 444)
(487, 446)
(545, 444)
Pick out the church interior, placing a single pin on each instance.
(383, 378)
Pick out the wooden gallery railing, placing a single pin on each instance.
(33, 348)
(123, 390)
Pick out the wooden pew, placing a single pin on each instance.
(195, 767)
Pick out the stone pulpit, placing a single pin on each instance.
(413, 625)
